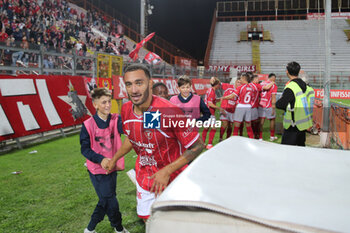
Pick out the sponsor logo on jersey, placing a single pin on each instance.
(147, 161)
(151, 120)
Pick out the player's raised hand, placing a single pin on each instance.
(161, 180)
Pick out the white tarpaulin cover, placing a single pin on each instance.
(245, 185)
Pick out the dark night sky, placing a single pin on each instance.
(184, 23)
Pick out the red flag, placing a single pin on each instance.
(152, 58)
(135, 53)
(115, 49)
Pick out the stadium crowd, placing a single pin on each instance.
(29, 24)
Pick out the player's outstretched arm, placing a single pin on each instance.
(229, 97)
(161, 178)
(268, 86)
(123, 150)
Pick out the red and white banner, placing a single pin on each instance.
(201, 85)
(335, 94)
(171, 84)
(334, 15)
(90, 84)
(40, 103)
(185, 63)
(263, 77)
(227, 68)
(245, 68)
(105, 82)
(152, 58)
(119, 87)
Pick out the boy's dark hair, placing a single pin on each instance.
(271, 74)
(293, 68)
(99, 92)
(158, 84)
(183, 80)
(245, 76)
(248, 76)
(134, 67)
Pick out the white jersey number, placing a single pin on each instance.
(247, 98)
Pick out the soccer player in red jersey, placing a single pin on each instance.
(255, 113)
(229, 106)
(210, 100)
(246, 94)
(267, 106)
(162, 152)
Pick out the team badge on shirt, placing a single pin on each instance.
(151, 120)
(148, 134)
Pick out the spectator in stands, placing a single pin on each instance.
(17, 34)
(17, 56)
(25, 46)
(297, 102)
(48, 63)
(3, 35)
(7, 54)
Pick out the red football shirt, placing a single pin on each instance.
(210, 97)
(266, 96)
(257, 91)
(229, 105)
(245, 93)
(156, 148)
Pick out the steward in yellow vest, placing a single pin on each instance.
(297, 102)
(302, 117)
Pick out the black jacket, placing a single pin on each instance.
(289, 98)
(288, 95)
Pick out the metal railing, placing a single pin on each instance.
(40, 60)
(339, 80)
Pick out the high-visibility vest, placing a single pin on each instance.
(302, 108)
(310, 95)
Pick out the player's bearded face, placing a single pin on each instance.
(137, 86)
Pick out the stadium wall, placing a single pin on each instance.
(32, 104)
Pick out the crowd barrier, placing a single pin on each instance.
(33, 104)
(339, 123)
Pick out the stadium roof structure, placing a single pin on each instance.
(265, 7)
